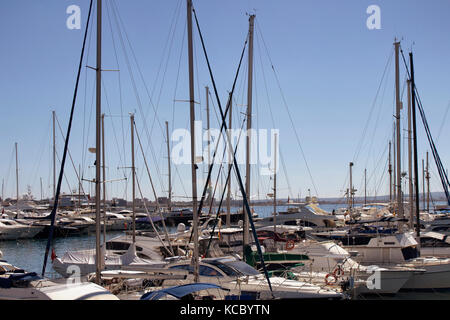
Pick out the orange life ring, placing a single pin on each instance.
(290, 244)
(329, 282)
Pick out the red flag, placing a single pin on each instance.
(53, 254)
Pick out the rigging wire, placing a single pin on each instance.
(271, 114)
(444, 178)
(121, 28)
(224, 126)
(66, 144)
(154, 192)
(288, 112)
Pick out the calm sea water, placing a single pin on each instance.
(29, 254)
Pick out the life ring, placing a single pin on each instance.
(338, 272)
(290, 244)
(328, 276)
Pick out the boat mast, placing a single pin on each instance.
(169, 202)
(398, 132)
(209, 141)
(192, 123)
(275, 186)
(410, 175)
(249, 125)
(423, 183)
(54, 156)
(79, 188)
(104, 178)
(365, 187)
(416, 169)
(350, 192)
(133, 173)
(390, 174)
(17, 178)
(97, 140)
(394, 166)
(427, 177)
(230, 157)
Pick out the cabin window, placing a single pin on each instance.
(208, 272)
(119, 246)
(443, 228)
(432, 242)
(410, 253)
(226, 269)
(307, 224)
(186, 267)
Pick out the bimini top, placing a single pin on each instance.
(180, 291)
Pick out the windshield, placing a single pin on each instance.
(243, 268)
(235, 268)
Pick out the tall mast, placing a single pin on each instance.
(365, 187)
(54, 156)
(104, 178)
(169, 203)
(79, 187)
(275, 186)
(423, 183)
(350, 192)
(230, 159)
(398, 132)
(394, 167)
(192, 120)
(390, 174)
(410, 173)
(17, 177)
(427, 177)
(97, 140)
(416, 169)
(209, 139)
(249, 124)
(3, 190)
(133, 173)
(41, 190)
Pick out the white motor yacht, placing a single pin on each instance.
(13, 230)
(402, 250)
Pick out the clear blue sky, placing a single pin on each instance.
(329, 66)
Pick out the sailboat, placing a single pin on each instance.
(402, 249)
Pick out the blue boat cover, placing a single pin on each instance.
(179, 291)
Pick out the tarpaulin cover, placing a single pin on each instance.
(179, 291)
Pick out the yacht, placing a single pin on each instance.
(85, 261)
(117, 222)
(434, 244)
(299, 215)
(13, 230)
(245, 282)
(402, 250)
